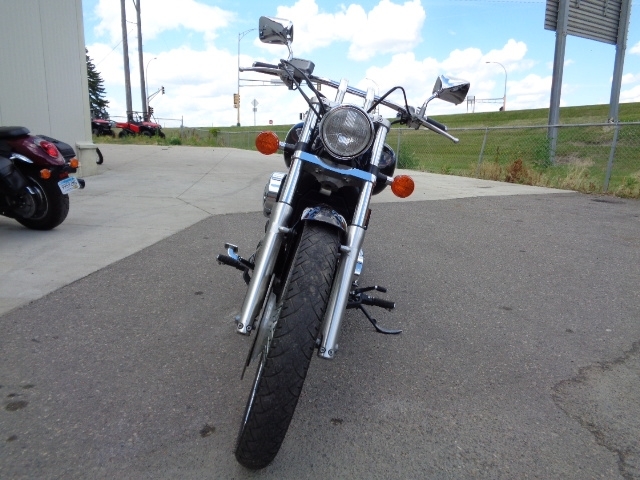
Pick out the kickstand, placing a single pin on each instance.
(378, 328)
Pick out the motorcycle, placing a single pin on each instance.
(304, 274)
(35, 180)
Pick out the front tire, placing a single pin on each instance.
(286, 357)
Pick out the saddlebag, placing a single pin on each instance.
(11, 180)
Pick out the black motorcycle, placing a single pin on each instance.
(303, 276)
(35, 178)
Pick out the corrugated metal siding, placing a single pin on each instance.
(23, 96)
(593, 19)
(43, 73)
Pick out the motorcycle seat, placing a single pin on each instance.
(13, 132)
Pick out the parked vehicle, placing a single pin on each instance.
(35, 180)
(139, 126)
(304, 274)
(102, 127)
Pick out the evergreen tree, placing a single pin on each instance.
(97, 103)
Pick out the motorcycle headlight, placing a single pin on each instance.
(346, 132)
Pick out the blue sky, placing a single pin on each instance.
(191, 48)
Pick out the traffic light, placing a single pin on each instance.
(236, 100)
(150, 111)
(162, 90)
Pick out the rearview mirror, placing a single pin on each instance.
(275, 31)
(452, 90)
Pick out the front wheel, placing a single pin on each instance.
(286, 356)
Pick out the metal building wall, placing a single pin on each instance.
(43, 73)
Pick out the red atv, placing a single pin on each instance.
(100, 126)
(139, 127)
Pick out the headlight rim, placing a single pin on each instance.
(364, 145)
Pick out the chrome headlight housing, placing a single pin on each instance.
(346, 132)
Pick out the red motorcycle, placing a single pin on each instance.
(35, 180)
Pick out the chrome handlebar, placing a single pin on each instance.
(416, 120)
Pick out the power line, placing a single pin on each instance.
(117, 45)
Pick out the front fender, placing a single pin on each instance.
(324, 214)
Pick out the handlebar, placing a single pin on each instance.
(439, 125)
(264, 65)
(415, 119)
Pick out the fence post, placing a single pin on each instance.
(181, 125)
(611, 155)
(552, 135)
(484, 142)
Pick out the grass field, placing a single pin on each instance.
(506, 146)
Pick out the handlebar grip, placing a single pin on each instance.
(264, 65)
(439, 125)
(378, 302)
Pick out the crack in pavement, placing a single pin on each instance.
(604, 398)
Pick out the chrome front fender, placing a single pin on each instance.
(324, 214)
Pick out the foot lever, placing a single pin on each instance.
(357, 299)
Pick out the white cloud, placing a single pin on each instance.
(387, 28)
(160, 16)
(635, 49)
(629, 78)
(631, 95)
(487, 80)
(198, 83)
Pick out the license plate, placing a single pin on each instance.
(68, 185)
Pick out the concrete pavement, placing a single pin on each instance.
(146, 193)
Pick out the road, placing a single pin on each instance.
(519, 357)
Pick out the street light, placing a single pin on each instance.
(504, 97)
(146, 71)
(240, 37)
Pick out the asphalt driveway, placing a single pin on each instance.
(520, 355)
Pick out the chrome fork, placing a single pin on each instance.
(277, 228)
(349, 259)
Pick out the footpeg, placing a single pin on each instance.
(358, 298)
(234, 260)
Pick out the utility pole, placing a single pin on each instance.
(125, 51)
(143, 90)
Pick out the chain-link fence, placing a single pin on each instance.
(592, 157)
(601, 157)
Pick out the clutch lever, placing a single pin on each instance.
(417, 121)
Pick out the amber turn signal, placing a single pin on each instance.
(45, 174)
(402, 186)
(267, 143)
(74, 163)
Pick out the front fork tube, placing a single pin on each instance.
(269, 250)
(264, 266)
(344, 276)
(340, 293)
(279, 219)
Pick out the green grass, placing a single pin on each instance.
(519, 155)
